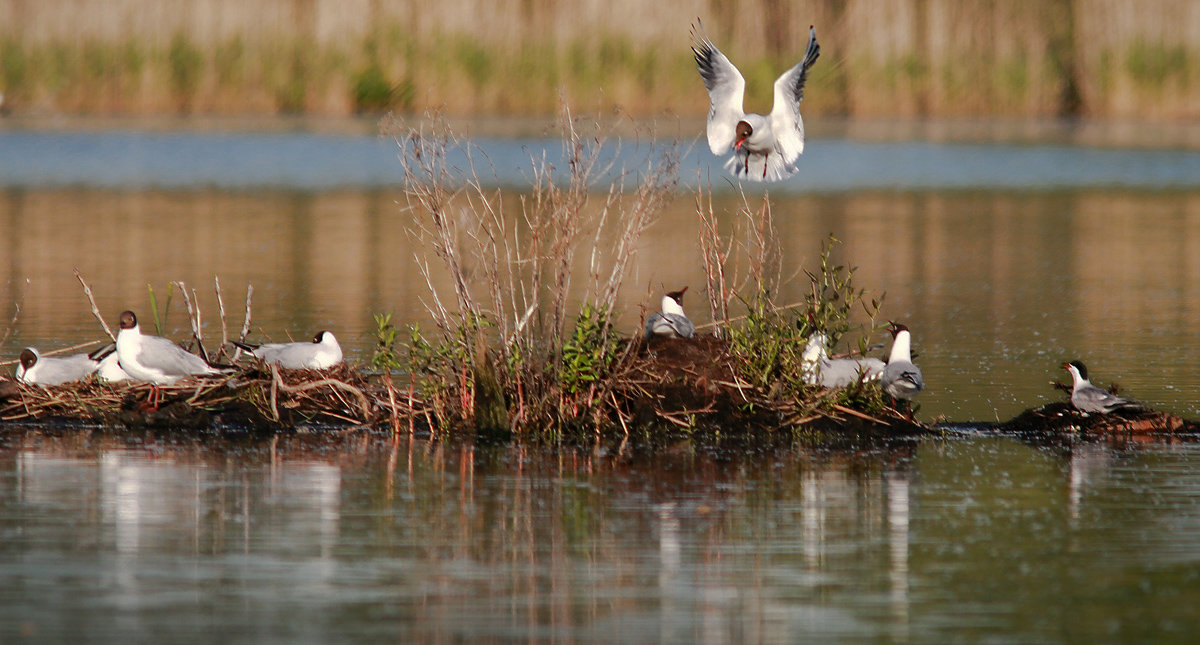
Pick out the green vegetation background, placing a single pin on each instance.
(907, 58)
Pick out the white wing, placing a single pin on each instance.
(296, 356)
(669, 325)
(56, 371)
(160, 354)
(289, 355)
(786, 123)
(726, 88)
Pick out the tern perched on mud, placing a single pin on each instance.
(322, 352)
(901, 378)
(765, 148)
(672, 321)
(1089, 398)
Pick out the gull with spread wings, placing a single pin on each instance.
(765, 148)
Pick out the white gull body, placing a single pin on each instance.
(110, 366)
(764, 147)
(35, 369)
(321, 353)
(154, 359)
(820, 369)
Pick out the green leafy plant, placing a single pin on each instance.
(768, 343)
(832, 297)
(385, 357)
(160, 319)
(589, 352)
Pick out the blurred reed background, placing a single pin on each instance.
(1124, 59)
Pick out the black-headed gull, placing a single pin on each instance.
(154, 359)
(35, 369)
(321, 353)
(765, 148)
(1089, 398)
(820, 369)
(901, 378)
(671, 321)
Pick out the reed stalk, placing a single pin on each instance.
(528, 255)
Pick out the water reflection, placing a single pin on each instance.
(305, 538)
(897, 515)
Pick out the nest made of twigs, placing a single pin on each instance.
(260, 396)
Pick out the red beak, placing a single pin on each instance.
(739, 143)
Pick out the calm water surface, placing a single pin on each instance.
(361, 540)
(1005, 260)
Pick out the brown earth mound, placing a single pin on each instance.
(694, 383)
(1059, 420)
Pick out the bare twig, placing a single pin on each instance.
(391, 391)
(277, 382)
(855, 413)
(246, 320)
(193, 310)
(87, 290)
(771, 308)
(12, 324)
(237, 352)
(221, 311)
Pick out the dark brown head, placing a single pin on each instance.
(896, 328)
(743, 132)
(128, 320)
(1079, 367)
(319, 336)
(29, 358)
(677, 296)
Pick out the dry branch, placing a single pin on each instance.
(87, 290)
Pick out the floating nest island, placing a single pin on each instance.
(661, 387)
(509, 359)
(1059, 421)
(658, 386)
(258, 398)
(695, 384)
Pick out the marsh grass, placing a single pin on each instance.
(767, 339)
(512, 268)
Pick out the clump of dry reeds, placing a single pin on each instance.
(509, 353)
(499, 291)
(767, 338)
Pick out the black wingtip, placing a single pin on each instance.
(243, 346)
(103, 352)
